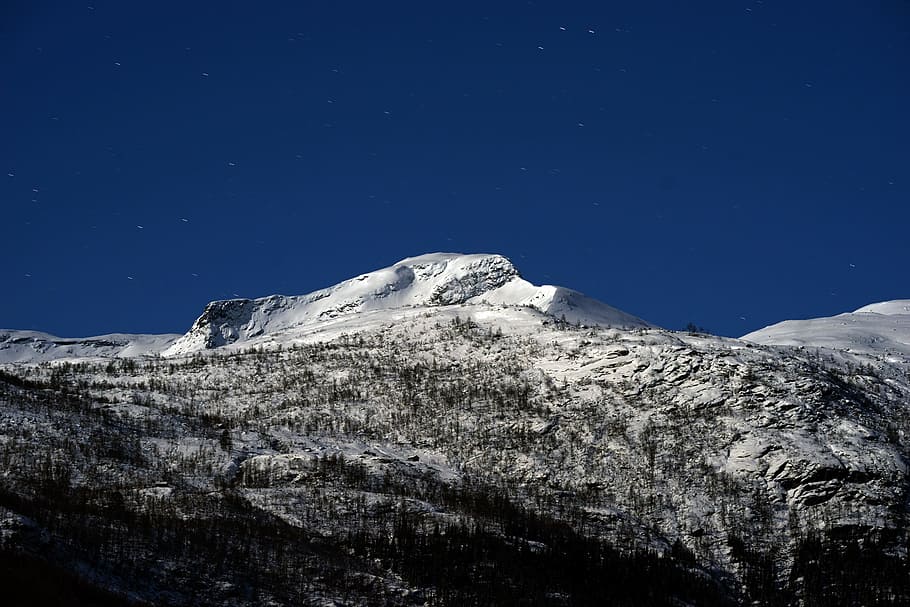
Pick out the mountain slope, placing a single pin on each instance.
(433, 433)
(34, 346)
(881, 328)
(433, 280)
(373, 459)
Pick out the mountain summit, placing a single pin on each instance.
(433, 280)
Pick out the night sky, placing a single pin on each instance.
(727, 163)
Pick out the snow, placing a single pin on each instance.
(485, 287)
(488, 285)
(35, 346)
(880, 328)
(432, 280)
(725, 422)
(896, 307)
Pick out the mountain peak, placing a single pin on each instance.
(434, 279)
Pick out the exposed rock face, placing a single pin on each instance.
(474, 279)
(221, 321)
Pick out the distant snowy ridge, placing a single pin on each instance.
(882, 328)
(485, 281)
(898, 307)
(437, 279)
(34, 346)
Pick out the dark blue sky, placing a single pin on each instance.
(729, 163)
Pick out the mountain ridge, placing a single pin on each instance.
(437, 280)
(431, 280)
(879, 328)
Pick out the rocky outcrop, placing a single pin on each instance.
(473, 280)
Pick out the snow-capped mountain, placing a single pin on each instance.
(353, 445)
(880, 328)
(433, 280)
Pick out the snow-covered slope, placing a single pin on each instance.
(898, 307)
(651, 438)
(433, 280)
(34, 346)
(880, 328)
